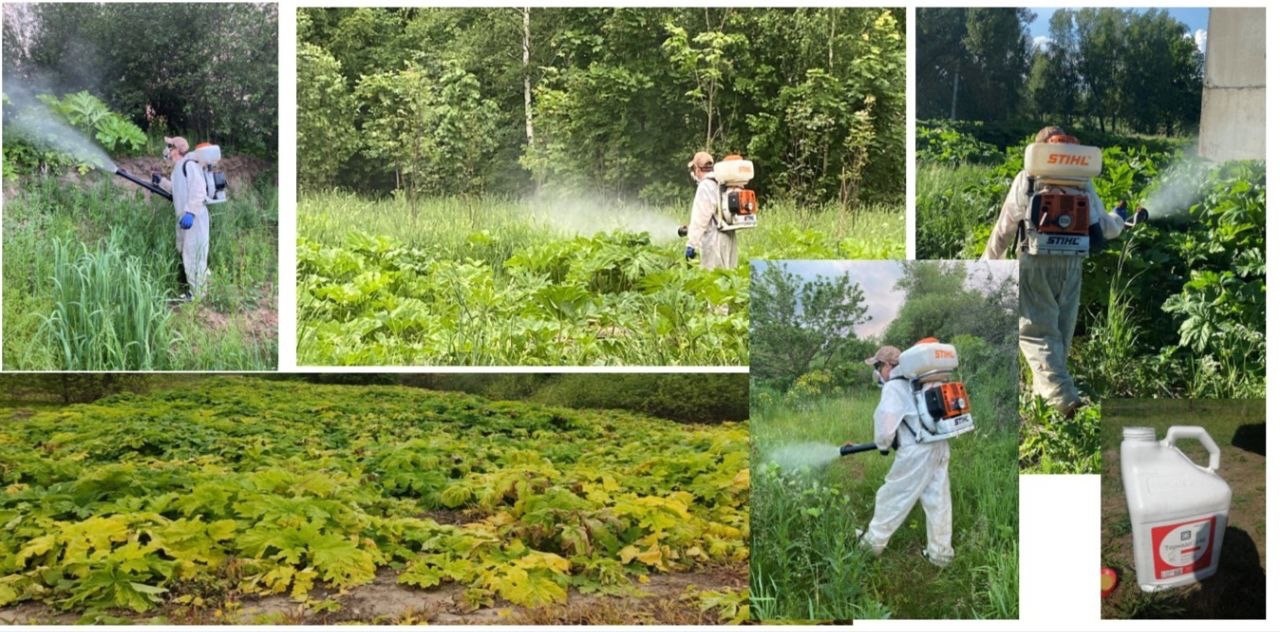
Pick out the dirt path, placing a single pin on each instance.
(663, 599)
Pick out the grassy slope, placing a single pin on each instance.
(243, 272)
(805, 560)
(1238, 590)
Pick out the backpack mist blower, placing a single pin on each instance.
(206, 157)
(1058, 174)
(941, 402)
(737, 206)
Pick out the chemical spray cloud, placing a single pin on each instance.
(580, 214)
(804, 456)
(1177, 187)
(36, 123)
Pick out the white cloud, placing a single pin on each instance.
(1202, 39)
(1041, 42)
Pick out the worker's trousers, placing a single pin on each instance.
(919, 472)
(1048, 302)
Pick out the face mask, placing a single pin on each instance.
(166, 151)
(875, 375)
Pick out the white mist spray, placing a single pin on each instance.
(804, 456)
(35, 123)
(583, 215)
(1171, 196)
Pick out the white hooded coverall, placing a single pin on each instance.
(193, 244)
(919, 472)
(1048, 294)
(716, 248)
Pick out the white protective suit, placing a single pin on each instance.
(188, 187)
(1048, 294)
(716, 248)
(919, 472)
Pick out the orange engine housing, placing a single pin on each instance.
(742, 202)
(1061, 213)
(947, 400)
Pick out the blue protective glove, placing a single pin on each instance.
(689, 253)
(1122, 209)
(187, 220)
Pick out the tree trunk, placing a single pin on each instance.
(831, 41)
(528, 91)
(955, 91)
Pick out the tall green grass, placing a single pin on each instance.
(90, 266)
(954, 210)
(805, 561)
(107, 311)
(490, 229)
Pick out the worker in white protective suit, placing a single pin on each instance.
(1048, 288)
(717, 248)
(919, 470)
(187, 184)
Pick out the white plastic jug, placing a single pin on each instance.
(927, 357)
(1177, 509)
(1062, 160)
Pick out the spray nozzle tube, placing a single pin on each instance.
(854, 448)
(1139, 217)
(144, 184)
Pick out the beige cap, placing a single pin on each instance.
(701, 160)
(887, 354)
(178, 143)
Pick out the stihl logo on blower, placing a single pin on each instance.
(738, 206)
(941, 402)
(1058, 176)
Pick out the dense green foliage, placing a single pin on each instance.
(698, 397)
(805, 559)
(1174, 307)
(29, 148)
(806, 325)
(1108, 68)
(88, 272)
(805, 562)
(482, 281)
(433, 101)
(236, 487)
(205, 69)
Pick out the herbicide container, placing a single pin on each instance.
(1178, 509)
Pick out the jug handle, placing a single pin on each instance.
(1195, 432)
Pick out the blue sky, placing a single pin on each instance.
(877, 279)
(1195, 19)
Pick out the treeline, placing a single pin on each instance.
(1107, 69)
(799, 326)
(204, 69)
(691, 397)
(510, 101)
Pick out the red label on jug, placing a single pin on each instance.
(1182, 548)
